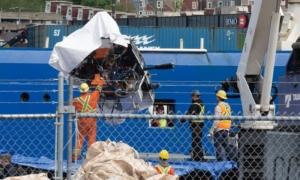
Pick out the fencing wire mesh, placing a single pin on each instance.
(245, 153)
(27, 128)
(27, 144)
(148, 138)
(238, 153)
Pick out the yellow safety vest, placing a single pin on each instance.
(162, 123)
(201, 112)
(225, 111)
(163, 170)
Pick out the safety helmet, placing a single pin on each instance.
(164, 154)
(196, 93)
(84, 87)
(221, 94)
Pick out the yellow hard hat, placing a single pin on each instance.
(221, 94)
(84, 87)
(164, 154)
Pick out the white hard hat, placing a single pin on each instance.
(84, 87)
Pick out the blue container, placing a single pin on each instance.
(215, 39)
(229, 39)
(169, 37)
(73, 28)
(225, 39)
(56, 34)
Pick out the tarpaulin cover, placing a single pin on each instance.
(117, 160)
(181, 167)
(100, 32)
(41, 176)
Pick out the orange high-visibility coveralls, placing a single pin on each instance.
(86, 103)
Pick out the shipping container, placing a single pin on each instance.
(168, 37)
(142, 22)
(225, 39)
(215, 39)
(122, 21)
(177, 21)
(233, 20)
(202, 21)
(56, 34)
(215, 21)
(229, 39)
(37, 37)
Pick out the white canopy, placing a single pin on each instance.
(100, 31)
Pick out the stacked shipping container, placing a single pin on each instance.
(220, 33)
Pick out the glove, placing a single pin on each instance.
(98, 81)
(99, 88)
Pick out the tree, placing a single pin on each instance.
(76, 1)
(105, 4)
(88, 2)
(178, 4)
(127, 7)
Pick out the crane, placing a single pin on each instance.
(256, 67)
(268, 24)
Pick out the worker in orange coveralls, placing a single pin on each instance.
(87, 103)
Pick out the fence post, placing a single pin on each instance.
(60, 129)
(70, 121)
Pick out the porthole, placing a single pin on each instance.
(24, 97)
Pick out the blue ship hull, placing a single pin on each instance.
(32, 65)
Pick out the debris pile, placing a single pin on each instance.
(118, 160)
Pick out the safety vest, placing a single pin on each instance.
(163, 170)
(201, 112)
(225, 111)
(85, 102)
(162, 123)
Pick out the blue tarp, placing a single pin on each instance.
(214, 168)
(181, 167)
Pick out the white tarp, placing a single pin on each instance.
(100, 31)
(41, 176)
(111, 160)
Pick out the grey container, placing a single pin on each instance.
(202, 21)
(142, 22)
(177, 21)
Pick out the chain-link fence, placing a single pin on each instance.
(27, 144)
(58, 145)
(28, 127)
(237, 153)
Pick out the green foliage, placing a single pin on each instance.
(95, 3)
(24, 5)
(39, 5)
(129, 7)
(178, 4)
(76, 1)
(105, 4)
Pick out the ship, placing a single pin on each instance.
(29, 85)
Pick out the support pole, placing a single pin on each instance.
(181, 43)
(70, 130)
(269, 67)
(60, 129)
